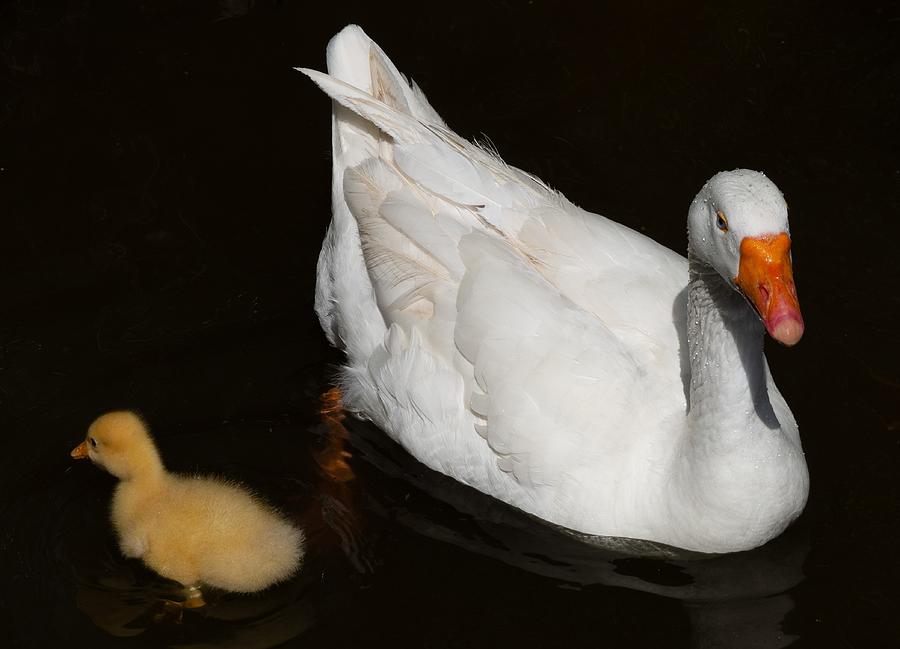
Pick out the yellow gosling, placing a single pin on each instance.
(192, 529)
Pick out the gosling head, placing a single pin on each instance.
(738, 225)
(120, 443)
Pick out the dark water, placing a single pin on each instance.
(164, 189)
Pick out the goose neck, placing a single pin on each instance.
(728, 391)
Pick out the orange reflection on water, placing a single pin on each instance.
(332, 459)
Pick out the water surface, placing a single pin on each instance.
(164, 189)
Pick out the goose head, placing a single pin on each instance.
(738, 225)
(120, 443)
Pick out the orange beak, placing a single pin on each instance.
(766, 277)
(80, 452)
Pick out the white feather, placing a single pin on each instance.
(522, 345)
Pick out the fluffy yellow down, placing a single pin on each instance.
(192, 529)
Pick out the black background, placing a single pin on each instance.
(165, 186)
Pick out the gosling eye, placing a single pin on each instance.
(93, 442)
(721, 221)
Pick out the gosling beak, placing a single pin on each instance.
(80, 452)
(766, 278)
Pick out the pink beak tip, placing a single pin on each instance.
(786, 329)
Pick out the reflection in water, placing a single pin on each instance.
(740, 623)
(738, 600)
(732, 600)
(125, 599)
(131, 602)
(336, 511)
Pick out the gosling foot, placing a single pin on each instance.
(193, 597)
(172, 611)
(168, 612)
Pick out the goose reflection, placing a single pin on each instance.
(735, 600)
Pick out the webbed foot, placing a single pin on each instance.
(172, 611)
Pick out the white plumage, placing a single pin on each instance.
(540, 353)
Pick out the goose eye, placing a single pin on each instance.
(721, 221)
(93, 442)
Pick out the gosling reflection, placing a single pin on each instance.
(190, 529)
(125, 599)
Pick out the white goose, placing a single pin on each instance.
(550, 357)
